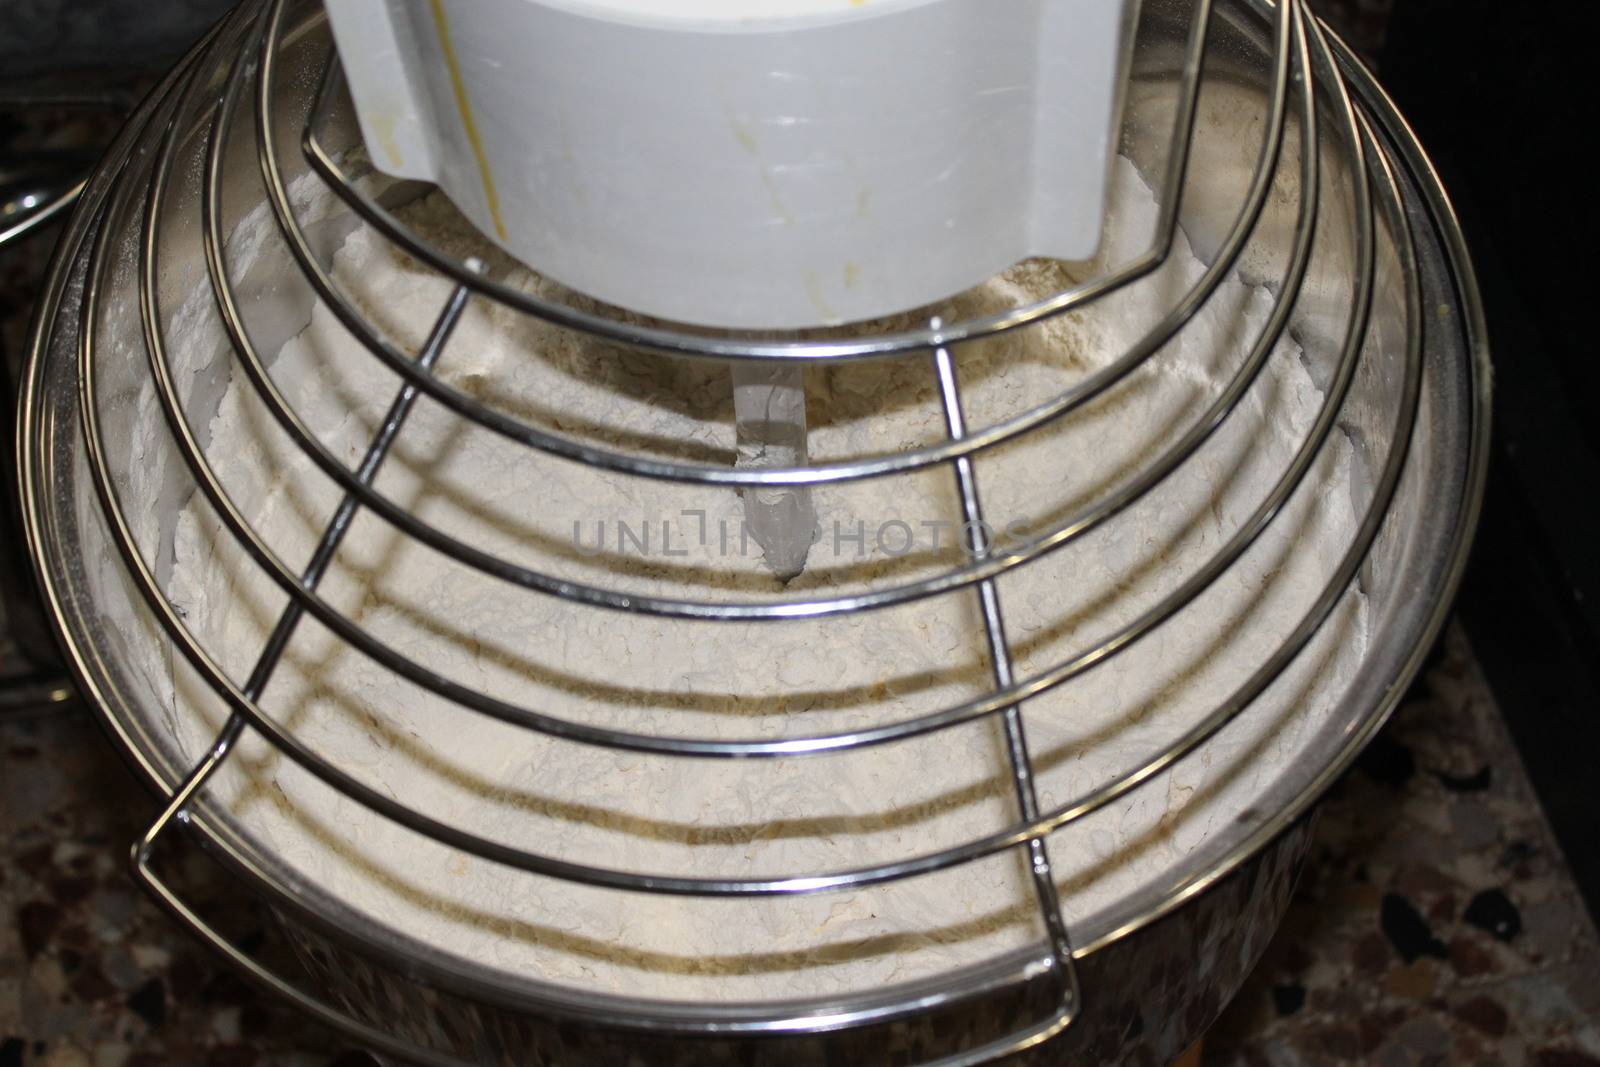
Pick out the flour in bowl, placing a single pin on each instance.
(770, 680)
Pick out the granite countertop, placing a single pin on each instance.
(1436, 921)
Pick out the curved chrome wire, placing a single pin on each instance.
(816, 474)
(978, 571)
(248, 709)
(677, 342)
(1376, 170)
(527, 717)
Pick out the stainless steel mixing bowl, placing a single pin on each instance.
(1154, 969)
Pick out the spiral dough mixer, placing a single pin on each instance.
(776, 531)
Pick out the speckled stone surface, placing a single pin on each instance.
(50, 36)
(1436, 922)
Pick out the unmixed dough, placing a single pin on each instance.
(742, 818)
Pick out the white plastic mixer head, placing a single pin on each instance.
(768, 164)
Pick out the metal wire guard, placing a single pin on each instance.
(1306, 85)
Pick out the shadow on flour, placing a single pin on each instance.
(1017, 914)
(689, 833)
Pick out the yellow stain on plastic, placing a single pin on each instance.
(819, 299)
(382, 122)
(467, 123)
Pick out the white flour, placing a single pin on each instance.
(770, 680)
